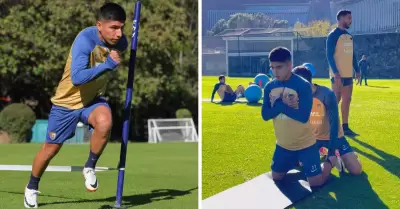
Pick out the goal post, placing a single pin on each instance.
(171, 130)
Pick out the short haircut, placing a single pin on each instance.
(221, 77)
(280, 54)
(111, 11)
(342, 13)
(303, 72)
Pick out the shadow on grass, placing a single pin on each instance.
(389, 162)
(380, 87)
(348, 192)
(239, 102)
(127, 201)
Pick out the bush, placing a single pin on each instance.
(17, 120)
(183, 113)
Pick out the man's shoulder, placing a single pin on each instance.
(87, 37)
(325, 90)
(333, 32)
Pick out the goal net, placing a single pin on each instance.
(169, 130)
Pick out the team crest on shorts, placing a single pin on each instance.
(52, 135)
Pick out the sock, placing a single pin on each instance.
(92, 160)
(345, 126)
(33, 183)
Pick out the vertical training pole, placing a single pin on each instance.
(128, 101)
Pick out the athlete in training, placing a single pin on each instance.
(326, 124)
(95, 53)
(288, 101)
(226, 92)
(342, 60)
(363, 65)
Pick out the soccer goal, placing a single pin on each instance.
(169, 130)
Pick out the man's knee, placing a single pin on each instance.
(316, 181)
(352, 163)
(102, 120)
(277, 176)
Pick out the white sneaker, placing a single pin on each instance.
(90, 179)
(30, 199)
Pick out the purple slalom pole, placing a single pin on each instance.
(128, 101)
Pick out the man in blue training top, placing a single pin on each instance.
(288, 101)
(95, 53)
(342, 60)
(226, 92)
(326, 124)
(363, 65)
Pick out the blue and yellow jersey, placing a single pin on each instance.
(324, 115)
(340, 53)
(292, 128)
(86, 71)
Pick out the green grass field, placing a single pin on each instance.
(237, 145)
(158, 176)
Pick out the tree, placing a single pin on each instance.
(247, 20)
(314, 29)
(220, 26)
(37, 36)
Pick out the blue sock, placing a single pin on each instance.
(33, 183)
(92, 160)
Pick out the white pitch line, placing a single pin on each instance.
(50, 168)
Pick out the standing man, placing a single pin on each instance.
(363, 65)
(342, 60)
(94, 53)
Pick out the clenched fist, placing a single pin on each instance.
(115, 55)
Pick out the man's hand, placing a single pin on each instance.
(291, 100)
(333, 160)
(337, 82)
(115, 56)
(272, 99)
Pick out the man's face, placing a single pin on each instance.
(364, 57)
(346, 21)
(110, 30)
(222, 80)
(281, 70)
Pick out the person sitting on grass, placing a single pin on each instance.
(226, 92)
(326, 125)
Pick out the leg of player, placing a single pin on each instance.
(40, 163)
(62, 125)
(336, 90)
(349, 157)
(282, 161)
(352, 163)
(347, 91)
(316, 176)
(240, 91)
(101, 120)
(229, 89)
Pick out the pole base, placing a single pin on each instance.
(119, 206)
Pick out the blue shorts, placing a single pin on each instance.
(343, 144)
(229, 97)
(63, 121)
(285, 160)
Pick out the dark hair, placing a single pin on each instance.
(111, 11)
(221, 77)
(280, 54)
(342, 13)
(303, 72)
